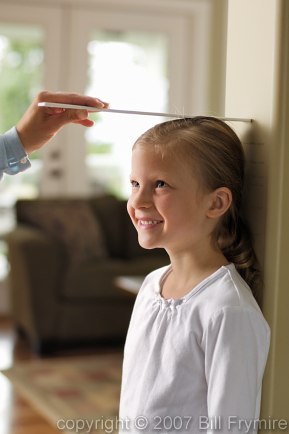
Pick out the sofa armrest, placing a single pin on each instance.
(37, 265)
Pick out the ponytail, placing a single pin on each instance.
(235, 241)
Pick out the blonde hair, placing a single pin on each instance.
(217, 158)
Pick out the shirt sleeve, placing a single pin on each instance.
(13, 158)
(237, 345)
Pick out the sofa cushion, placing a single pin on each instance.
(70, 221)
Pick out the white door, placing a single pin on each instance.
(145, 57)
(126, 59)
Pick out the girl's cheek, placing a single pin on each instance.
(130, 210)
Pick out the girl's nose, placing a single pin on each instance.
(140, 199)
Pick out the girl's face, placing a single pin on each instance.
(167, 205)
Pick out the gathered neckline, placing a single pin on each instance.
(177, 301)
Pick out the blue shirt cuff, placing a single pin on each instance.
(13, 158)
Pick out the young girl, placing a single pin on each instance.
(197, 343)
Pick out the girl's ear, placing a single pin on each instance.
(221, 200)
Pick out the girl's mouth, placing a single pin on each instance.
(148, 223)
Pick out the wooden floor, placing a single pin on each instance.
(16, 415)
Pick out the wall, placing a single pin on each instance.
(257, 77)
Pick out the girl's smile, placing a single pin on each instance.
(147, 223)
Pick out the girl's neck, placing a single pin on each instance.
(188, 270)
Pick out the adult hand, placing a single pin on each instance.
(39, 124)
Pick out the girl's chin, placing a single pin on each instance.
(147, 244)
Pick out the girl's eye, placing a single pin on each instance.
(160, 184)
(134, 184)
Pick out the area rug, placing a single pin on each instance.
(77, 395)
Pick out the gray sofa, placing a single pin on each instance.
(65, 255)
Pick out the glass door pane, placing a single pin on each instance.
(21, 76)
(133, 75)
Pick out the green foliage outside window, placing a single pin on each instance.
(20, 76)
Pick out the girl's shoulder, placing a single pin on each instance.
(230, 289)
(225, 286)
(225, 295)
(154, 278)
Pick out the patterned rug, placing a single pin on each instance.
(75, 394)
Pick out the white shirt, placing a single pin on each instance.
(194, 361)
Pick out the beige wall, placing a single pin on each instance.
(257, 87)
